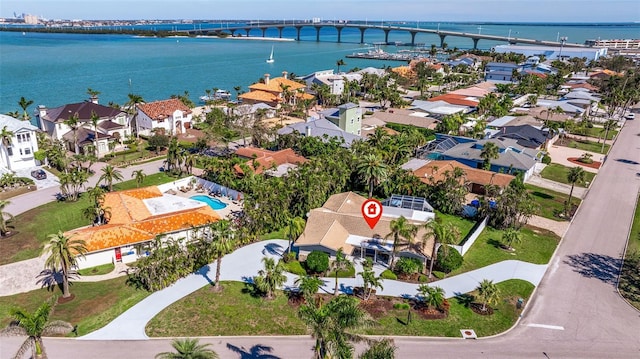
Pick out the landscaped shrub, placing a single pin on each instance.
(401, 306)
(546, 159)
(317, 262)
(295, 267)
(387, 274)
(449, 262)
(438, 274)
(349, 272)
(423, 278)
(289, 257)
(408, 265)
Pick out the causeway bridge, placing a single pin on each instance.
(386, 29)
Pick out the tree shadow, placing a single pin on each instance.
(250, 288)
(494, 242)
(599, 266)
(52, 279)
(346, 289)
(273, 249)
(465, 299)
(541, 195)
(257, 351)
(204, 271)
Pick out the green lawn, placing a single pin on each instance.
(630, 278)
(230, 312)
(463, 224)
(35, 225)
(279, 234)
(460, 316)
(585, 145)
(559, 173)
(233, 312)
(97, 270)
(597, 132)
(95, 304)
(550, 202)
(537, 247)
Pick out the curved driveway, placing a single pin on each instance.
(575, 313)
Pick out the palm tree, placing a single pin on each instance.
(433, 297)
(400, 229)
(340, 63)
(331, 324)
(270, 278)
(110, 174)
(5, 218)
(308, 286)
(576, 174)
(131, 108)
(510, 236)
(222, 243)
(488, 293)
(94, 121)
(369, 279)
(34, 326)
(188, 348)
(380, 349)
(608, 126)
(490, 151)
(189, 162)
(339, 263)
(74, 123)
(138, 176)
(443, 234)
(24, 104)
(63, 253)
(293, 230)
(372, 169)
(93, 94)
(6, 136)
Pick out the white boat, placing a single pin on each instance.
(270, 59)
(218, 95)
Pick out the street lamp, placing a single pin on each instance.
(562, 41)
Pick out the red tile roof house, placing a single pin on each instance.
(273, 163)
(139, 216)
(113, 124)
(170, 117)
(271, 91)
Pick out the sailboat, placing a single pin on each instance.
(270, 59)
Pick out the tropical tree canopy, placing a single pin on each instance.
(188, 348)
(63, 253)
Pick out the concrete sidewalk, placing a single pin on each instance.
(244, 264)
(536, 180)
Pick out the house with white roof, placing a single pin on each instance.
(18, 143)
(321, 128)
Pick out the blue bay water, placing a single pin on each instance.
(54, 69)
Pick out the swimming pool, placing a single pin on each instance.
(212, 202)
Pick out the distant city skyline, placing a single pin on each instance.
(374, 10)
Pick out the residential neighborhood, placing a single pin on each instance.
(482, 170)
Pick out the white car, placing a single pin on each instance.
(630, 116)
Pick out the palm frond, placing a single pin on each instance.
(13, 329)
(28, 345)
(57, 327)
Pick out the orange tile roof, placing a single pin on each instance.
(131, 222)
(456, 100)
(159, 110)
(267, 158)
(434, 171)
(261, 96)
(274, 85)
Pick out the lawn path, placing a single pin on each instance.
(245, 263)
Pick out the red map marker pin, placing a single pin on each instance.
(372, 211)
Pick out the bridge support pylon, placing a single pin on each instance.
(339, 28)
(318, 33)
(442, 40)
(475, 43)
(264, 32)
(413, 38)
(247, 31)
(298, 32)
(386, 36)
(280, 31)
(362, 34)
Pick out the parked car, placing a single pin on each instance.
(630, 116)
(39, 174)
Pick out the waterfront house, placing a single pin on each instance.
(336, 82)
(170, 117)
(275, 91)
(113, 125)
(272, 163)
(18, 144)
(553, 52)
(339, 224)
(525, 135)
(500, 71)
(137, 217)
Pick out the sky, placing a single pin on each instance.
(375, 10)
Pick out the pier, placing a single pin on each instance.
(385, 29)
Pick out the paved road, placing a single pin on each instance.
(575, 313)
(34, 199)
